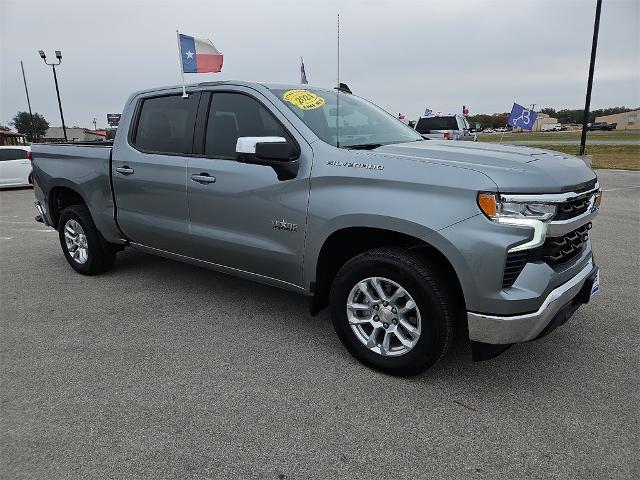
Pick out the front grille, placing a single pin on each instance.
(555, 251)
(513, 266)
(572, 208)
(559, 250)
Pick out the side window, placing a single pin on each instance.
(234, 115)
(165, 124)
(12, 154)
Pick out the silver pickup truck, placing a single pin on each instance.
(325, 194)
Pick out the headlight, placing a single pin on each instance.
(529, 214)
(494, 208)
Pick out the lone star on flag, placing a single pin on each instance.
(189, 54)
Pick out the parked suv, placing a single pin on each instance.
(406, 240)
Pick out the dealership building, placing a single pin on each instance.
(74, 134)
(624, 121)
(543, 119)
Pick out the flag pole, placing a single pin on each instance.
(184, 88)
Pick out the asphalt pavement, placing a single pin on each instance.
(159, 369)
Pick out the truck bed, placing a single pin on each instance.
(85, 167)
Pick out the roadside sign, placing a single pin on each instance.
(113, 119)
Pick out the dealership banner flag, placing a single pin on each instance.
(303, 74)
(522, 117)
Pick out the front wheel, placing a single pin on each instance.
(392, 312)
(83, 246)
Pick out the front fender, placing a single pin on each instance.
(421, 232)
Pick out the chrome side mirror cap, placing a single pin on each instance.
(248, 144)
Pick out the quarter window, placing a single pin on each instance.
(234, 115)
(12, 154)
(166, 124)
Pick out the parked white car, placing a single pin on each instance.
(15, 166)
(550, 127)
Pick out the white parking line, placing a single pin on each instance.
(620, 188)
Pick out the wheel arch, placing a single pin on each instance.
(344, 243)
(60, 197)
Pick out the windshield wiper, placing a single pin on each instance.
(363, 146)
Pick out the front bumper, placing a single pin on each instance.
(508, 329)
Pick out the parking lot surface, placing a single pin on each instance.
(159, 369)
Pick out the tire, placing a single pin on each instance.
(432, 320)
(100, 255)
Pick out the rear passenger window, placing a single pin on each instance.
(12, 154)
(165, 124)
(234, 115)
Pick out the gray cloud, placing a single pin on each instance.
(402, 55)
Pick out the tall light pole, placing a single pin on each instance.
(33, 134)
(587, 103)
(55, 79)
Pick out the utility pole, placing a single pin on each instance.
(55, 79)
(587, 103)
(95, 122)
(33, 132)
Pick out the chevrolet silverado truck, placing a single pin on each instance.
(325, 194)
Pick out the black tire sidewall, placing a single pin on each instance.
(436, 326)
(97, 256)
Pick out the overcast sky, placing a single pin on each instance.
(402, 55)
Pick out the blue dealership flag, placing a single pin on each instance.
(522, 117)
(303, 74)
(427, 112)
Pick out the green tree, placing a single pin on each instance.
(22, 123)
(495, 120)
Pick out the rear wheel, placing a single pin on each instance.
(390, 309)
(83, 246)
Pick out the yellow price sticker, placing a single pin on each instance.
(303, 99)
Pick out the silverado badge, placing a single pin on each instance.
(283, 225)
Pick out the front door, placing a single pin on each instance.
(14, 166)
(243, 217)
(149, 173)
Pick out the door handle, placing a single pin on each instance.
(124, 170)
(203, 178)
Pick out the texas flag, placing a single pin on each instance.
(199, 55)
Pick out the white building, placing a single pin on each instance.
(74, 134)
(624, 121)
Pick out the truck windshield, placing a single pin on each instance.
(358, 123)
(426, 124)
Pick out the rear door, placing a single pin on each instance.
(14, 166)
(149, 173)
(247, 219)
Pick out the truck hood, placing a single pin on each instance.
(514, 169)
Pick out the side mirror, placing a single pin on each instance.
(274, 152)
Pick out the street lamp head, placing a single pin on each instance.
(42, 55)
(58, 54)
